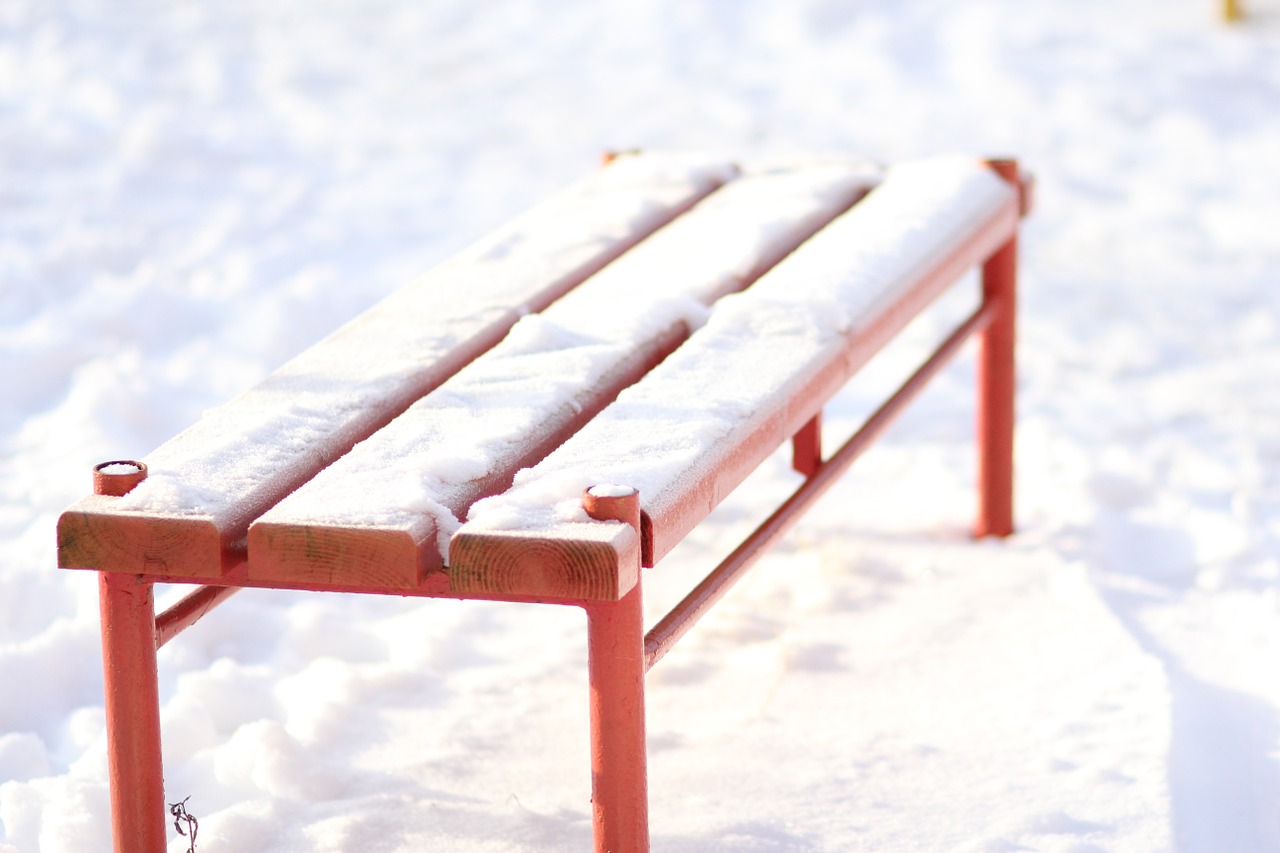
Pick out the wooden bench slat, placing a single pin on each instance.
(761, 368)
(382, 515)
(191, 515)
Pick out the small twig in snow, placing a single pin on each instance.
(182, 816)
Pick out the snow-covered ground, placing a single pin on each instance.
(191, 193)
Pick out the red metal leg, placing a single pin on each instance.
(996, 381)
(806, 447)
(619, 775)
(615, 661)
(133, 713)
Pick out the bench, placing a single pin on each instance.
(552, 410)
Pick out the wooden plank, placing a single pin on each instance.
(92, 535)
(595, 561)
(243, 457)
(370, 521)
(765, 363)
(382, 515)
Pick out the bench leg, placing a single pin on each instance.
(619, 777)
(996, 385)
(806, 447)
(133, 713)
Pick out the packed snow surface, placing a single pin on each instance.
(194, 193)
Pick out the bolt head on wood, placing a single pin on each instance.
(118, 477)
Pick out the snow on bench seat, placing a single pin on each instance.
(761, 367)
(382, 515)
(190, 516)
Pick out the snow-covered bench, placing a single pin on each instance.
(551, 410)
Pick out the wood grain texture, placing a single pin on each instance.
(92, 535)
(375, 558)
(596, 561)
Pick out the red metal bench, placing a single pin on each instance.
(587, 383)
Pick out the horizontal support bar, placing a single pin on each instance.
(186, 612)
(237, 577)
(682, 617)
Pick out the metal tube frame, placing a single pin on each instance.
(997, 380)
(619, 754)
(132, 697)
(615, 666)
(188, 611)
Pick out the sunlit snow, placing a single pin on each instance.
(193, 193)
